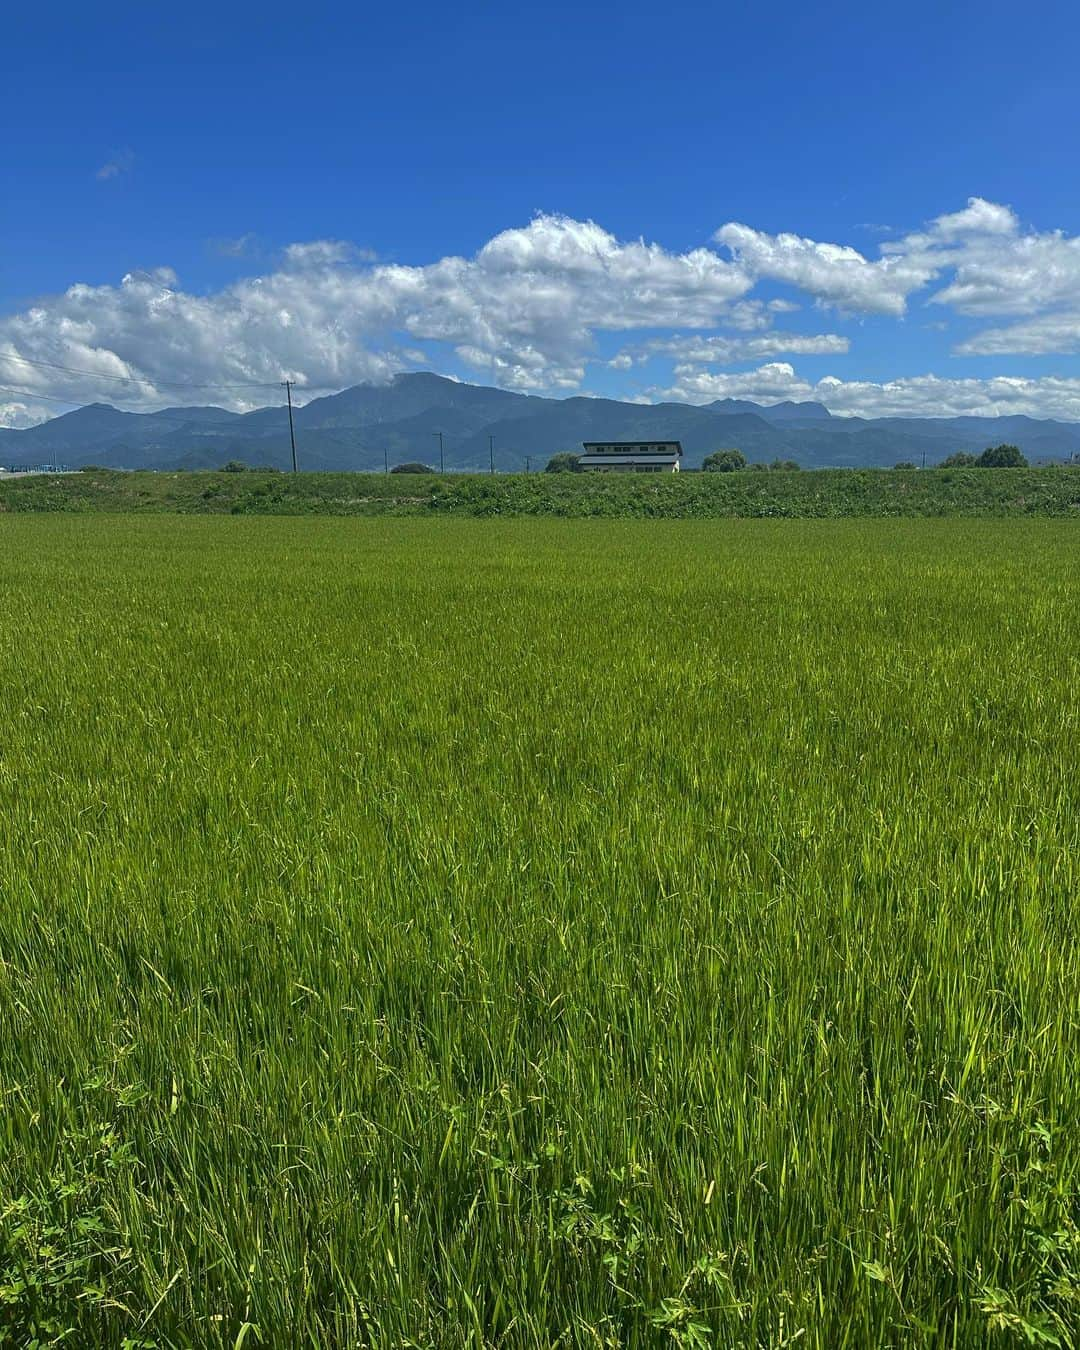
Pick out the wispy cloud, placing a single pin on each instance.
(241, 247)
(120, 163)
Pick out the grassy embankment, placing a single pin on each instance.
(443, 933)
(820, 493)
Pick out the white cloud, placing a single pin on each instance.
(526, 309)
(1009, 275)
(120, 163)
(18, 414)
(523, 310)
(770, 383)
(917, 396)
(931, 396)
(987, 264)
(978, 217)
(729, 350)
(841, 276)
(323, 253)
(240, 247)
(834, 274)
(1042, 336)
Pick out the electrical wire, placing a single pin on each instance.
(135, 379)
(74, 406)
(49, 398)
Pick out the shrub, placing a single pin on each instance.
(1002, 457)
(235, 466)
(564, 462)
(960, 460)
(412, 466)
(905, 464)
(724, 461)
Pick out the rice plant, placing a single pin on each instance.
(538, 933)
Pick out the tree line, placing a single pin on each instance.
(719, 461)
(732, 461)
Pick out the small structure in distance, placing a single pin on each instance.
(631, 456)
(22, 470)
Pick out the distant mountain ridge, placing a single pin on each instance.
(367, 425)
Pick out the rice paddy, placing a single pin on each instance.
(437, 933)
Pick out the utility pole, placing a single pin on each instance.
(528, 463)
(292, 433)
(386, 460)
(491, 452)
(439, 434)
(924, 459)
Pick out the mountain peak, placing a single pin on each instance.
(787, 411)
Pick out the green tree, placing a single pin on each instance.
(234, 466)
(960, 460)
(785, 465)
(1002, 457)
(412, 466)
(905, 464)
(724, 461)
(564, 462)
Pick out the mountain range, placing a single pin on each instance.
(368, 425)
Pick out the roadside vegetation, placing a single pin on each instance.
(539, 933)
(781, 491)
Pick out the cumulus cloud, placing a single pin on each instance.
(526, 309)
(834, 274)
(18, 414)
(1015, 276)
(995, 265)
(917, 396)
(983, 262)
(771, 383)
(523, 310)
(978, 217)
(842, 277)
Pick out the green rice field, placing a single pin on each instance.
(539, 933)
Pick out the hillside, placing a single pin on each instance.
(357, 428)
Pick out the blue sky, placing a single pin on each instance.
(682, 201)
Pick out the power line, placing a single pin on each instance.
(135, 379)
(74, 405)
(26, 393)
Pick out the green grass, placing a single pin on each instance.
(466, 933)
(823, 493)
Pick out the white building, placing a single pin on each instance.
(631, 456)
